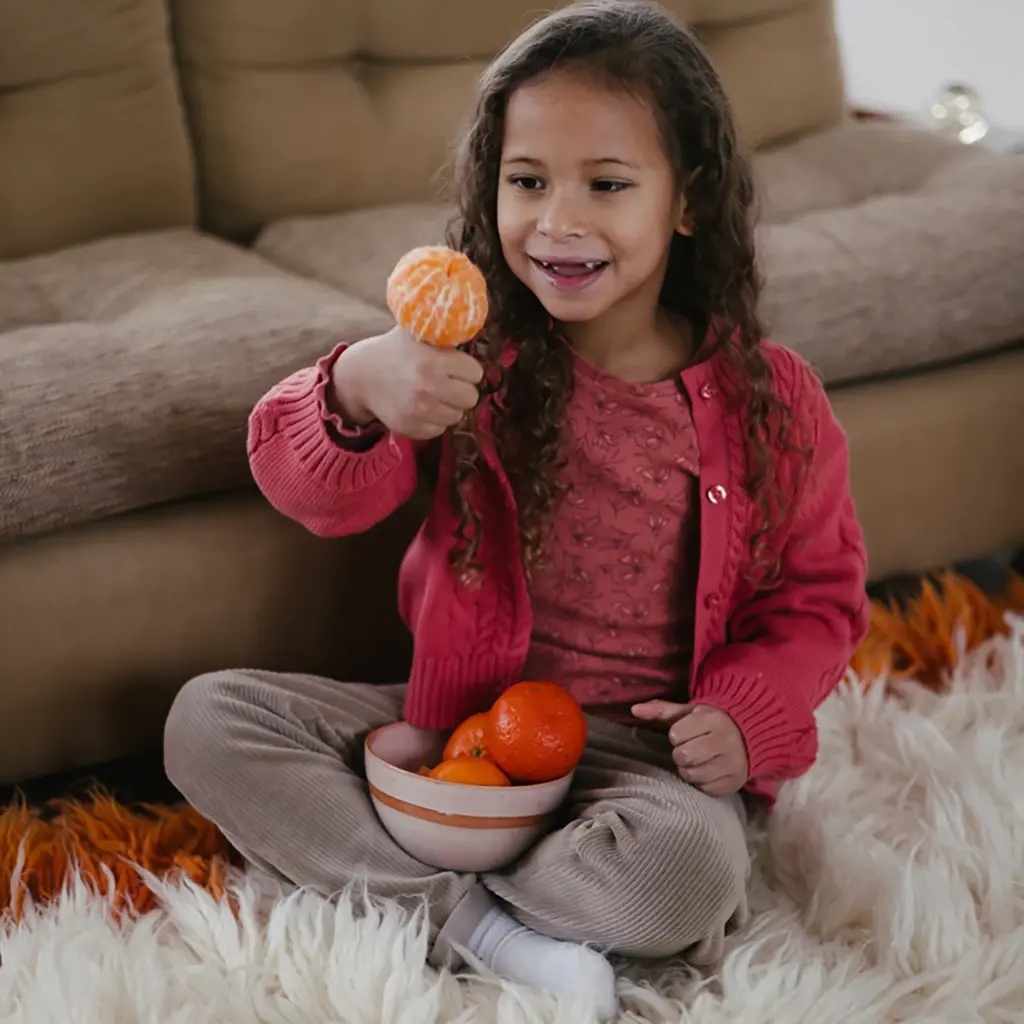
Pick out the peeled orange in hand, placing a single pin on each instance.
(537, 732)
(470, 738)
(470, 771)
(438, 295)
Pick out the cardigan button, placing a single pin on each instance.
(711, 601)
(717, 494)
(707, 391)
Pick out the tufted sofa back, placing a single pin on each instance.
(93, 139)
(119, 115)
(311, 106)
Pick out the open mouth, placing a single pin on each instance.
(570, 274)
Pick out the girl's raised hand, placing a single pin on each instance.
(707, 745)
(417, 391)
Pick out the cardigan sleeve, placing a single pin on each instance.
(333, 479)
(790, 645)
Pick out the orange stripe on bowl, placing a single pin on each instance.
(458, 820)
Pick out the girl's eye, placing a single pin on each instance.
(526, 182)
(610, 185)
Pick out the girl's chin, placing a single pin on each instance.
(571, 316)
(572, 309)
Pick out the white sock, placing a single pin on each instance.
(517, 953)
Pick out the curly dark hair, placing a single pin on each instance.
(712, 277)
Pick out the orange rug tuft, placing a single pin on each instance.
(922, 640)
(106, 840)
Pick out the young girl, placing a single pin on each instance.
(636, 496)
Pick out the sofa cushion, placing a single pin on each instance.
(354, 251)
(331, 105)
(92, 131)
(128, 368)
(885, 248)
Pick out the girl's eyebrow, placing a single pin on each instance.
(534, 162)
(612, 160)
(516, 159)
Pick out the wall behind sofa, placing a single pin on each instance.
(899, 52)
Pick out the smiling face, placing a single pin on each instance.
(588, 201)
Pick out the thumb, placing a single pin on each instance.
(660, 710)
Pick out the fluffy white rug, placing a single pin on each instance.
(889, 888)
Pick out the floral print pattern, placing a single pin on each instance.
(614, 591)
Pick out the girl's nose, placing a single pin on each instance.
(561, 218)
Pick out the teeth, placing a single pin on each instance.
(592, 265)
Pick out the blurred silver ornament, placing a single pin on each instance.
(956, 112)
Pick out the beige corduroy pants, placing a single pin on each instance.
(642, 864)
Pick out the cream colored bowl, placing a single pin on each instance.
(445, 824)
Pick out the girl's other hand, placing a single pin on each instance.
(415, 390)
(707, 745)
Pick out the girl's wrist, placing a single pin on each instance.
(344, 395)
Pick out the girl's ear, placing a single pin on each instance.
(684, 225)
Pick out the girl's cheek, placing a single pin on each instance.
(514, 258)
(507, 230)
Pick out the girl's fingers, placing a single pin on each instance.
(706, 774)
(660, 712)
(696, 752)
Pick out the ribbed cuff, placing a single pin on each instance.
(295, 409)
(362, 433)
(778, 744)
(444, 692)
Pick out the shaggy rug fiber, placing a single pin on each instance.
(888, 885)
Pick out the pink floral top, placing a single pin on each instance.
(613, 597)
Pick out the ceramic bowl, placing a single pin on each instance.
(447, 825)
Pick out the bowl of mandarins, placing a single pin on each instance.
(477, 799)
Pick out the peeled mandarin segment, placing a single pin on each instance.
(438, 295)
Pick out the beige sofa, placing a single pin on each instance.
(197, 198)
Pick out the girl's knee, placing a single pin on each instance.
(194, 731)
(687, 889)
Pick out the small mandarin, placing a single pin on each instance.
(438, 295)
(470, 738)
(470, 771)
